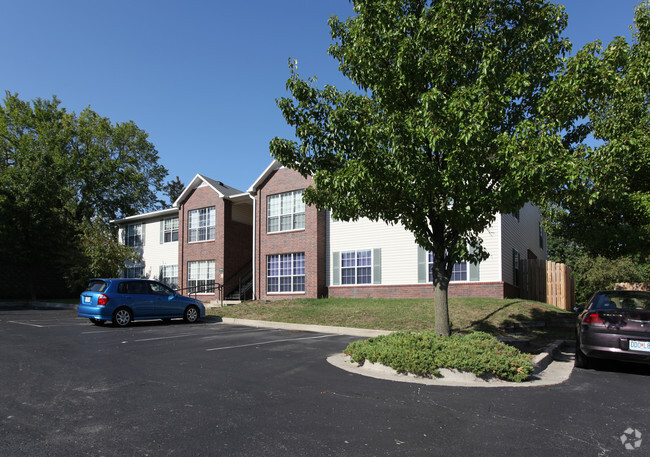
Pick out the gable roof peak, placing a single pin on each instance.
(274, 165)
(223, 190)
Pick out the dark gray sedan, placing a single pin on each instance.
(615, 324)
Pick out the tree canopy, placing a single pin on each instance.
(605, 92)
(60, 172)
(173, 189)
(446, 128)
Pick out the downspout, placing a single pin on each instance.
(181, 250)
(254, 244)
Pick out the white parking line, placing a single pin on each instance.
(163, 338)
(240, 331)
(270, 342)
(26, 323)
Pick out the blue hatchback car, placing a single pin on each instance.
(125, 300)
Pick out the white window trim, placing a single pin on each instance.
(136, 226)
(164, 231)
(472, 270)
(430, 269)
(304, 275)
(293, 213)
(213, 226)
(356, 267)
(162, 277)
(207, 262)
(134, 266)
(336, 279)
(516, 270)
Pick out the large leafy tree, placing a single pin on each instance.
(60, 172)
(606, 93)
(35, 219)
(444, 130)
(99, 252)
(173, 189)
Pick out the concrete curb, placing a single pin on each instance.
(360, 332)
(540, 362)
(543, 359)
(555, 373)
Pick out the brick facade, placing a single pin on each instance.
(242, 243)
(310, 240)
(231, 249)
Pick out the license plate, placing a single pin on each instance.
(86, 299)
(639, 345)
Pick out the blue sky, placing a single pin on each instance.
(201, 77)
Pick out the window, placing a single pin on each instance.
(541, 236)
(201, 224)
(159, 289)
(515, 267)
(133, 288)
(361, 266)
(285, 273)
(200, 276)
(133, 235)
(169, 275)
(459, 273)
(97, 285)
(285, 212)
(169, 230)
(356, 267)
(134, 271)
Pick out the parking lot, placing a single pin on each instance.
(72, 388)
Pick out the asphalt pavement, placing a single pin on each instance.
(71, 388)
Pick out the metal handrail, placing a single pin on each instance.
(208, 288)
(245, 284)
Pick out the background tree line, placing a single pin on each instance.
(63, 176)
(599, 220)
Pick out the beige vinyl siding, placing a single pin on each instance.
(398, 248)
(521, 235)
(399, 252)
(490, 269)
(155, 254)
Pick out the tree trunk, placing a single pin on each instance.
(440, 297)
(440, 301)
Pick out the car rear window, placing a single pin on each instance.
(97, 285)
(622, 300)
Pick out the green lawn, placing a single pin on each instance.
(493, 316)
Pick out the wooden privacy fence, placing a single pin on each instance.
(548, 282)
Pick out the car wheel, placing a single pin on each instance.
(191, 314)
(122, 317)
(97, 321)
(581, 361)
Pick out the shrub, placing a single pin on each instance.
(597, 273)
(425, 353)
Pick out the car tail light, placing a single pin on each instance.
(102, 300)
(594, 320)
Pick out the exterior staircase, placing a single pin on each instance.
(243, 292)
